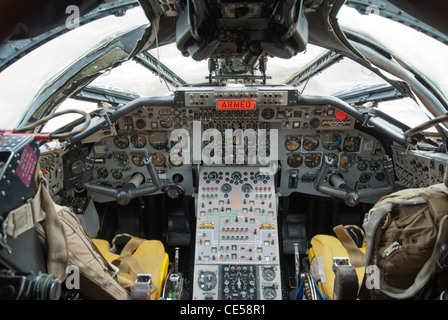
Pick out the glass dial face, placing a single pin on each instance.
(137, 159)
(236, 175)
(158, 159)
(138, 140)
(176, 159)
(268, 113)
(292, 143)
(352, 144)
(226, 188)
(246, 188)
(77, 167)
(331, 140)
(294, 160)
(158, 140)
(121, 141)
(312, 160)
(310, 143)
(102, 173)
(121, 159)
(212, 176)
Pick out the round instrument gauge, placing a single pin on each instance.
(364, 178)
(236, 175)
(138, 140)
(352, 144)
(158, 140)
(269, 293)
(140, 123)
(362, 165)
(158, 159)
(346, 161)
(268, 274)
(259, 176)
(121, 141)
(137, 159)
(117, 174)
(246, 188)
(292, 143)
(176, 159)
(212, 176)
(226, 188)
(294, 160)
(310, 143)
(102, 173)
(267, 113)
(166, 123)
(121, 159)
(374, 165)
(331, 140)
(312, 160)
(77, 167)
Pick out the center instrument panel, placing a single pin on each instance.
(237, 248)
(303, 135)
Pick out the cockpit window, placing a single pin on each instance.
(28, 76)
(409, 47)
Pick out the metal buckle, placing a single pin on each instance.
(340, 262)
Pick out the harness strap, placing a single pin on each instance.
(357, 257)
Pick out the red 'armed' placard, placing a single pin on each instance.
(235, 104)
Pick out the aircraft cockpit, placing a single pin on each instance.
(231, 176)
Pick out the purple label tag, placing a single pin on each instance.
(28, 161)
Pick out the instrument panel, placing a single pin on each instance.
(293, 135)
(416, 169)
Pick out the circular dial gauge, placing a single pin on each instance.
(331, 140)
(246, 188)
(292, 143)
(364, 178)
(226, 188)
(121, 141)
(362, 165)
(77, 167)
(269, 293)
(117, 174)
(294, 160)
(267, 113)
(102, 173)
(138, 140)
(158, 159)
(137, 159)
(374, 165)
(268, 274)
(310, 143)
(176, 159)
(236, 175)
(140, 123)
(121, 159)
(259, 176)
(312, 160)
(212, 176)
(352, 144)
(158, 140)
(207, 280)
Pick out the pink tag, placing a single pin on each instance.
(28, 161)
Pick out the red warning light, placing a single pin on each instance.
(340, 115)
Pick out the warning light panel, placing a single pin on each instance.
(235, 104)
